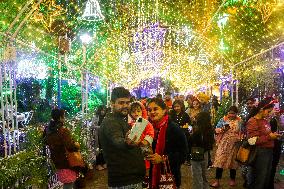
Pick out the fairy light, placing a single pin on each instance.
(244, 34)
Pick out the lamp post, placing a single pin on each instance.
(86, 39)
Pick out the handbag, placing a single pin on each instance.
(75, 159)
(246, 153)
(167, 180)
(197, 153)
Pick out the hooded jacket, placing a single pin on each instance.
(148, 133)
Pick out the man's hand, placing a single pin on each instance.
(131, 142)
(155, 158)
(274, 136)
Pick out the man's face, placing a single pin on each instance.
(266, 112)
(121, 106)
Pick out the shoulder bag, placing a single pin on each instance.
(167, 180)
(74, 158)
(197, 153)
(246, 153)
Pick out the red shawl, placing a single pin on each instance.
(161, 128)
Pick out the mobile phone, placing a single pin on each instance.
(226, 127)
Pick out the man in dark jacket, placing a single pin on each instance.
(125, 162)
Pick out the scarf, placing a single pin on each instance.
(160, 136)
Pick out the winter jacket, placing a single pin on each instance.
(58, 140)
(125, 163)
(261, 129)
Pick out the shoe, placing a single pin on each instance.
(232, 182)
(215, 184)
(209, 167)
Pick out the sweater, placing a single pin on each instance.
(176, 147)
(261, 129)
(181, 119)
(125, 163)
(205, 141)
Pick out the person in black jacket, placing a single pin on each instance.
(169, 140)
(203, 137)
(124, 158)
(100, 115)
(180, 117)
(59, 140)
(274, 123)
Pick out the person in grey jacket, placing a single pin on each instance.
(125, 161)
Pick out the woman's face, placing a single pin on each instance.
(196, 104)
(266, 112)
(155, 112)
(177, 108)
(232, 115)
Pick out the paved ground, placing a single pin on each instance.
(100, 178)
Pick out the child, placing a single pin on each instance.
(137, 110)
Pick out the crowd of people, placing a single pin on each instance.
(137, 138)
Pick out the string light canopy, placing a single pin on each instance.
(191, 36)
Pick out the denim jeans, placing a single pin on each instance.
(68, 185)
(261, 169)
(198, 171)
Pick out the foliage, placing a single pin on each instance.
(223, 108)
(27, 167)
(28, 93)
(33, 138)
(29, 98)
(71, 98)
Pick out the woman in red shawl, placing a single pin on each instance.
(169, 140)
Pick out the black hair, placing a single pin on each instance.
(159, 95)
(203, 122)
(55, 123)
(57, 113)
(179, 102)
(250, 99)
(264, 104)
(135, 105)
(159, 102)
(119, 92)
(233, 109)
